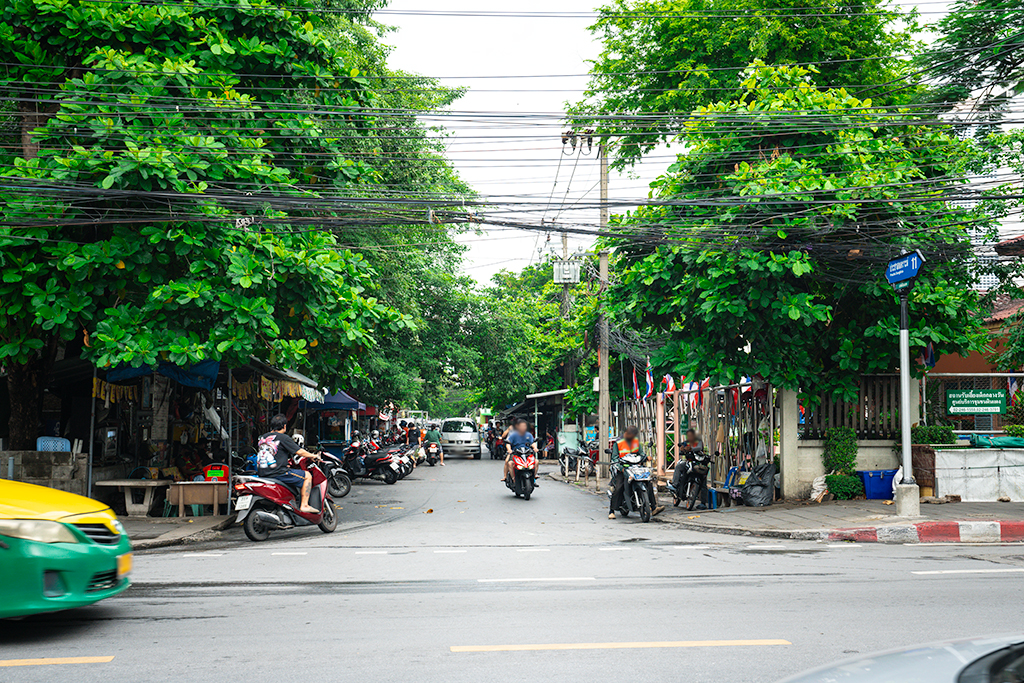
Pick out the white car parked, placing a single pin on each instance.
(460, 436)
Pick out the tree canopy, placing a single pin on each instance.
(662, 59)
(763, 250)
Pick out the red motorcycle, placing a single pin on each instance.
(521, 480)
(265, 505)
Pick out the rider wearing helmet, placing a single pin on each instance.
(375, 440)
(433, 435)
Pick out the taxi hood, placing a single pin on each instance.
(19, 500)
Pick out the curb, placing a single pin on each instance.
(172, 538)
(920, 532)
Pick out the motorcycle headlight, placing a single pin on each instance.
(39, 530)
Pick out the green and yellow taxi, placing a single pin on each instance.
(58, 550)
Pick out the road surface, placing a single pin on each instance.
(447, 577)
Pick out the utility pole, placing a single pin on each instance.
(569, 371)
(604, 407)
(603, 154)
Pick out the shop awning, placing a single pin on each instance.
(201, 375)
(339, 400)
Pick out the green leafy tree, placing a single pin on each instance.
(976, 58)
(146, 132)
(763, 251)
(662, 59)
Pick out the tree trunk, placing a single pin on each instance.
(25, 385)
(31, 118)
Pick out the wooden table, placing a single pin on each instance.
(184, 493)
(147, 486)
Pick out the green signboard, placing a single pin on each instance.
(975, 401)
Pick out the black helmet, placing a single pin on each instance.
(401, 423)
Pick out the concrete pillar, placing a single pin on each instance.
(789, 426)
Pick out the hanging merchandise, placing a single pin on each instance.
(245, 390)
(114, 392)
(266, 389)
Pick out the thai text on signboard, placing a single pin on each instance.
(975, 401)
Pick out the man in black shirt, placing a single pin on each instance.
(272, 453)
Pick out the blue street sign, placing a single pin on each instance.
(904, 268)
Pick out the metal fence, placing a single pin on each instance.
(938, 390)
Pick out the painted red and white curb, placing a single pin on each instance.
(933, 532)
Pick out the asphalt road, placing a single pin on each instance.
(447, 577)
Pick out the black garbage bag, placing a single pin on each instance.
(759, 488)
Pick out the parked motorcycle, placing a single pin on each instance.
(338, 482)
(433, 451)
(636, 496)
(523, 470)
(693, 479)
(572, 460)
(359, 464)
(265, 505)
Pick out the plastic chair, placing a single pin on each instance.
(54, 444)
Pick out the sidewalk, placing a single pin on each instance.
(160, 532)
(865, 521)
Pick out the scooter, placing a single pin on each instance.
(433, 453)
(572, 461)
(338, 482)
(693, 481)
(381, 466)
(265, 505)
(498, 448)
(636, 496)
(524, 468)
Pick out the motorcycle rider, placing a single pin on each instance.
(692, 448)
(375, 440)
(272, 453)
(518, 437)
(627, 444)
(434, 436)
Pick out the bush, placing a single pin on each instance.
(840, 454)
(1014, 430)
(844, 486)
(932, 434)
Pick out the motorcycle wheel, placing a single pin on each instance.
(330, 519)
(339, 485)
(692, 497)
(645, 509)
(390, 476)
(527, 488)
(254, 528)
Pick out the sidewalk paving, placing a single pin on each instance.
(160, 532)
(866, 521)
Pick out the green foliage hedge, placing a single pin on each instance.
(844, 486)
(840, 455)
(933, 434)
(1014, 430)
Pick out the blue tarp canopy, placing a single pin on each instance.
(201, 375)
(339, 400)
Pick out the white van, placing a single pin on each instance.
(460, 436)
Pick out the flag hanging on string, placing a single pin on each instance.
(650, 380)
(670, 384)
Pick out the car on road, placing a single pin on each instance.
(460, 436)
(998, 659)
(58, 550)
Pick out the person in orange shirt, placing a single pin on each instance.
(628, 444)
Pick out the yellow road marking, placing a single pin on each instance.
(55, 660)
(616, 646)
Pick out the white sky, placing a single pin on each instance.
(459, 48)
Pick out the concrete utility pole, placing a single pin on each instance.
(569, 371)
(604, 407)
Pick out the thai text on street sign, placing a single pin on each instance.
(975, 401)
(906, 267)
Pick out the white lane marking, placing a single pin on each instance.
(533, 550)
(204, 555)
(567, 578)
(288, 554)
(766, 547)
(845, 545)
(448, 551)
(611, 549)
(970, 571)
(371, 552)
(689, 547)
(990, 544)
